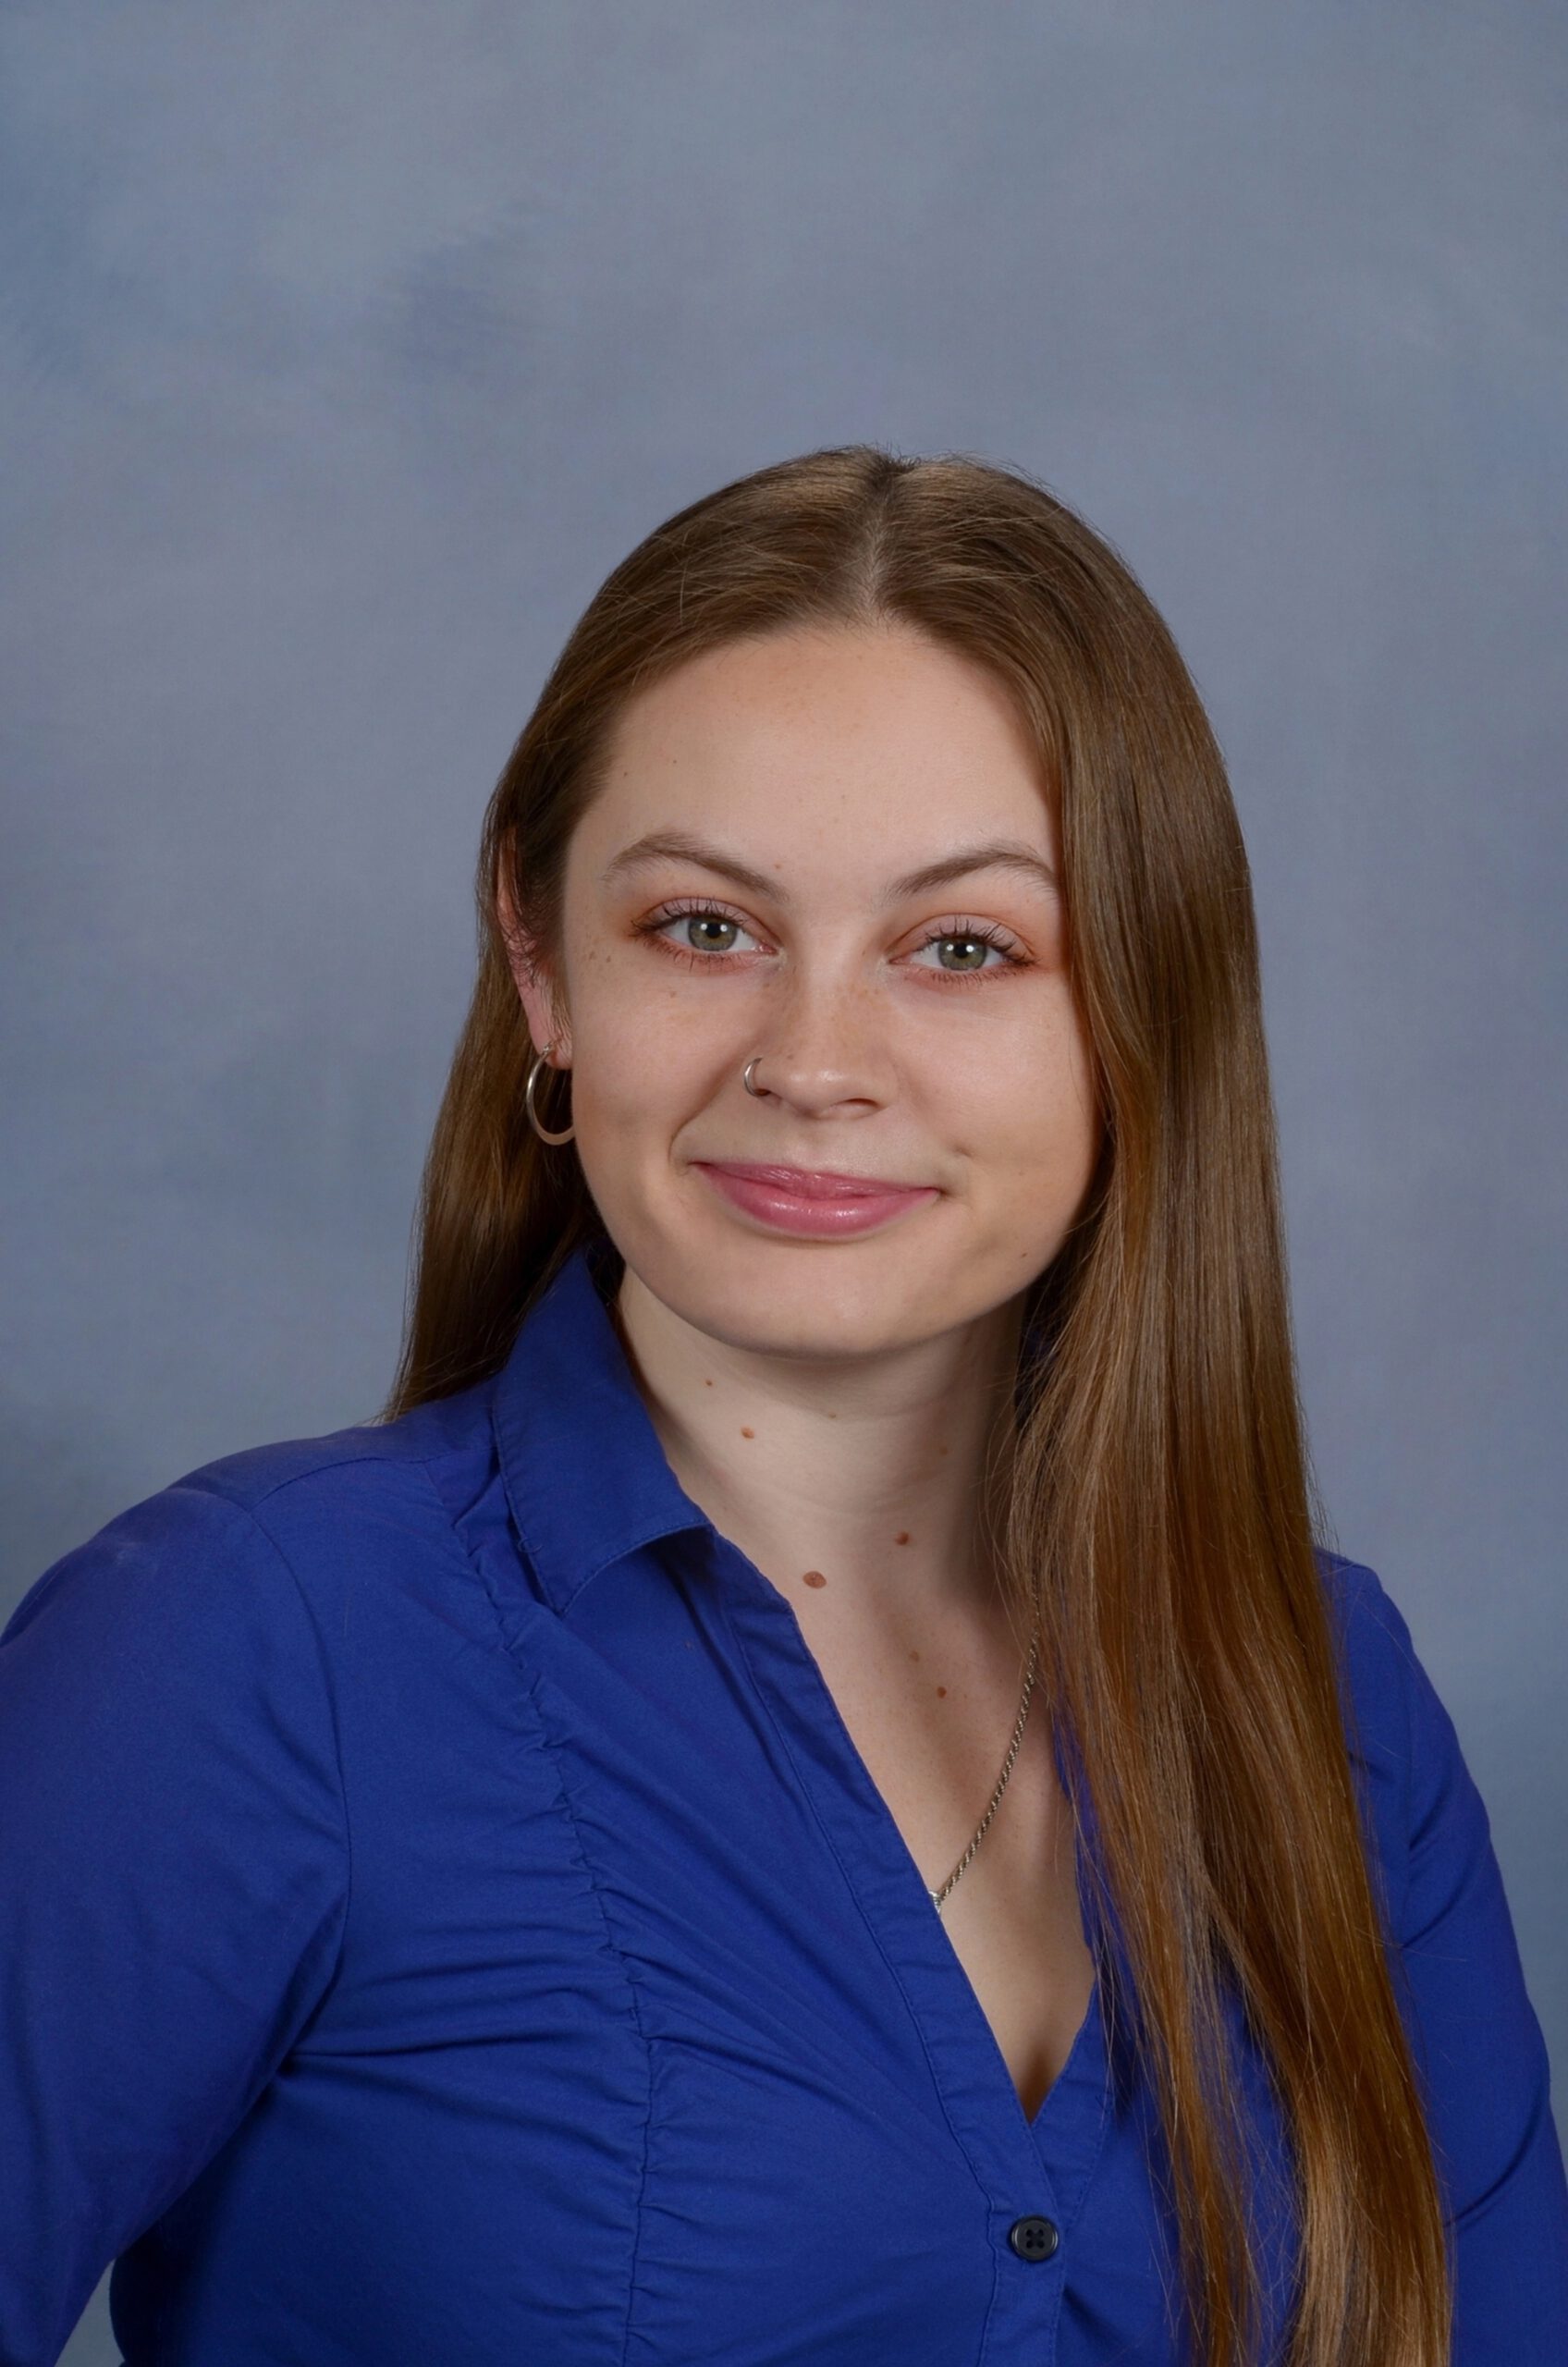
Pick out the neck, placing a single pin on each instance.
(856, 1489)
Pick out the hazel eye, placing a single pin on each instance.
(711, 931)
(695, 916)
(714, 924)
(975, 940)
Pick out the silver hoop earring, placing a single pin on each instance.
(539, 1061)
(746, 1075)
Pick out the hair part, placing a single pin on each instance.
(1158, 1515)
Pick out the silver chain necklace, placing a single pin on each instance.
(937, 1896)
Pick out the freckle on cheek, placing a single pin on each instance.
(814, 1579)
(902, 1537)
(941, 1693)
(746, 1433)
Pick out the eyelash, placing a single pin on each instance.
(978, 932)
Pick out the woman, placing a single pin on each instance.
(805, 1793)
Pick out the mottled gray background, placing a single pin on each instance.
(346, 349)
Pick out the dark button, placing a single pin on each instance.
(1034, 2238)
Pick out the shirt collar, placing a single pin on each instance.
(586, 1476)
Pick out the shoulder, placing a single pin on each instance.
(1427, 1817)
(335, 1475)
(232, 1555)
(1379, 1676)
(1377, 1657)
(1477, 2043)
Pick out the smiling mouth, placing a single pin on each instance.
(812, 1182)
(810, 1202)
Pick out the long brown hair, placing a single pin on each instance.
(1159, 1516)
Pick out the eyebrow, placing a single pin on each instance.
(677, 845)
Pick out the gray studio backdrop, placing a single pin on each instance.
(345, 350)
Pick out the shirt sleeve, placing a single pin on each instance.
(173, 1881)
(1480, 2053)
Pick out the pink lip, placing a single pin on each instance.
(795, 1199)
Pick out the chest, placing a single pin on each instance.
(1012, 1919)
(645, 2043)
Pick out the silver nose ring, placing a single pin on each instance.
(746, 1075)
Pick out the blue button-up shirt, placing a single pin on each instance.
(444, 1918)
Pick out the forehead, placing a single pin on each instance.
(837, 727)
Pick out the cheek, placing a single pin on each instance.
(645, 1062)
(1042, 1115)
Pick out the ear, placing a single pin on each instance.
(536, 987)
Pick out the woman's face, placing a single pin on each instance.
(818, 768)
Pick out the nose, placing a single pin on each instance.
(815, 1074)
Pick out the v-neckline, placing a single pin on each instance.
(1080, 2039)
(868, 1821)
